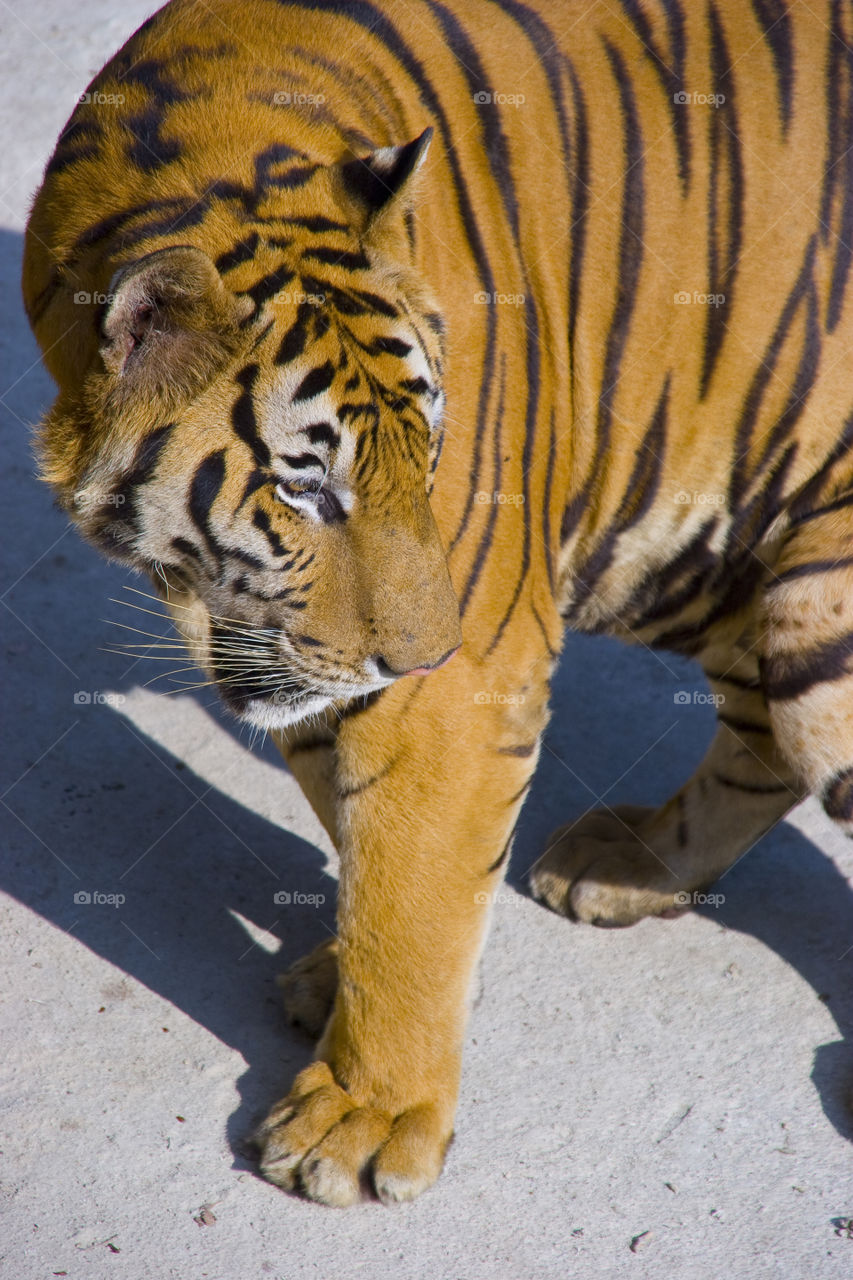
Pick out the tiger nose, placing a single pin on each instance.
(389, 673)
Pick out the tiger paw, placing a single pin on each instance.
(604, 870)
(308, 988)
(319, 1141)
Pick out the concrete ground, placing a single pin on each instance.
(678, 1085)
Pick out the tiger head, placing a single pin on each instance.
(258, 431)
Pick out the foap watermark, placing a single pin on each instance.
(492, 698)
(484, 99)
(685, 498)
(288, 898)
(86, 498)
(499, 499)
(496, 299)
(484, 898)
(94, 698)
(94, 898)
(699, 99)
(685, 298)
(95, 98)
(696, 698)
(289, 297)
(284, 98)
(697, 899)
(82, 298)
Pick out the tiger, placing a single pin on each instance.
(394, 339)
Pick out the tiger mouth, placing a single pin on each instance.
(274, 703)
(274, 709)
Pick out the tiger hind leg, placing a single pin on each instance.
(613, 866)
(807, 659)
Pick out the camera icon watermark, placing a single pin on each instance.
(492, 697)
(288, 297)
(696, 698)
(684, 298)
(90, 698)
(95, 98)
(697, 899)
(85, 898)
(284, 98)
(484, 99)
(286, 898)
(684, 498)
(699, 99)
(82, 298)
(500, 499)
(497, 299)
(87, 498)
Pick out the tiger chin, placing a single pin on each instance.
(386, 370)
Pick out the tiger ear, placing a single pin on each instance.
(169, 324)
(382, 180)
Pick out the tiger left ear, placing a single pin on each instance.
(383, 178)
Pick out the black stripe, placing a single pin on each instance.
(317, 223)
(243, 251)
(844, 180)
(531, 382)
(669, 73)
(804, 380)
(338, 258)
(485, 543)
(579, 153)
(293, 342)
(546, 502)
(261, 521)
(789, 675)
(117, 521)
(640, 493)
(300, 460)
(497, 153)
(388, 346)
(315, 382)
(738, 725)
(725, 204)
(243, 417)
(322, 433)
(630, 254)
(741, 475)
(522, 749)
(310, 744)
(775, 22)
(186, 548)
(496, 146)
(346, 793)
(255, 480)
(840, 504)
(205, 487)
(502, 856)
(268, 286)
(664, 592)
(807, 570)
(738, 682)
(359, 705)
(802, 508)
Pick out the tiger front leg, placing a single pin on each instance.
(428, 784)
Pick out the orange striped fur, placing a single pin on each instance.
(382, 327)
